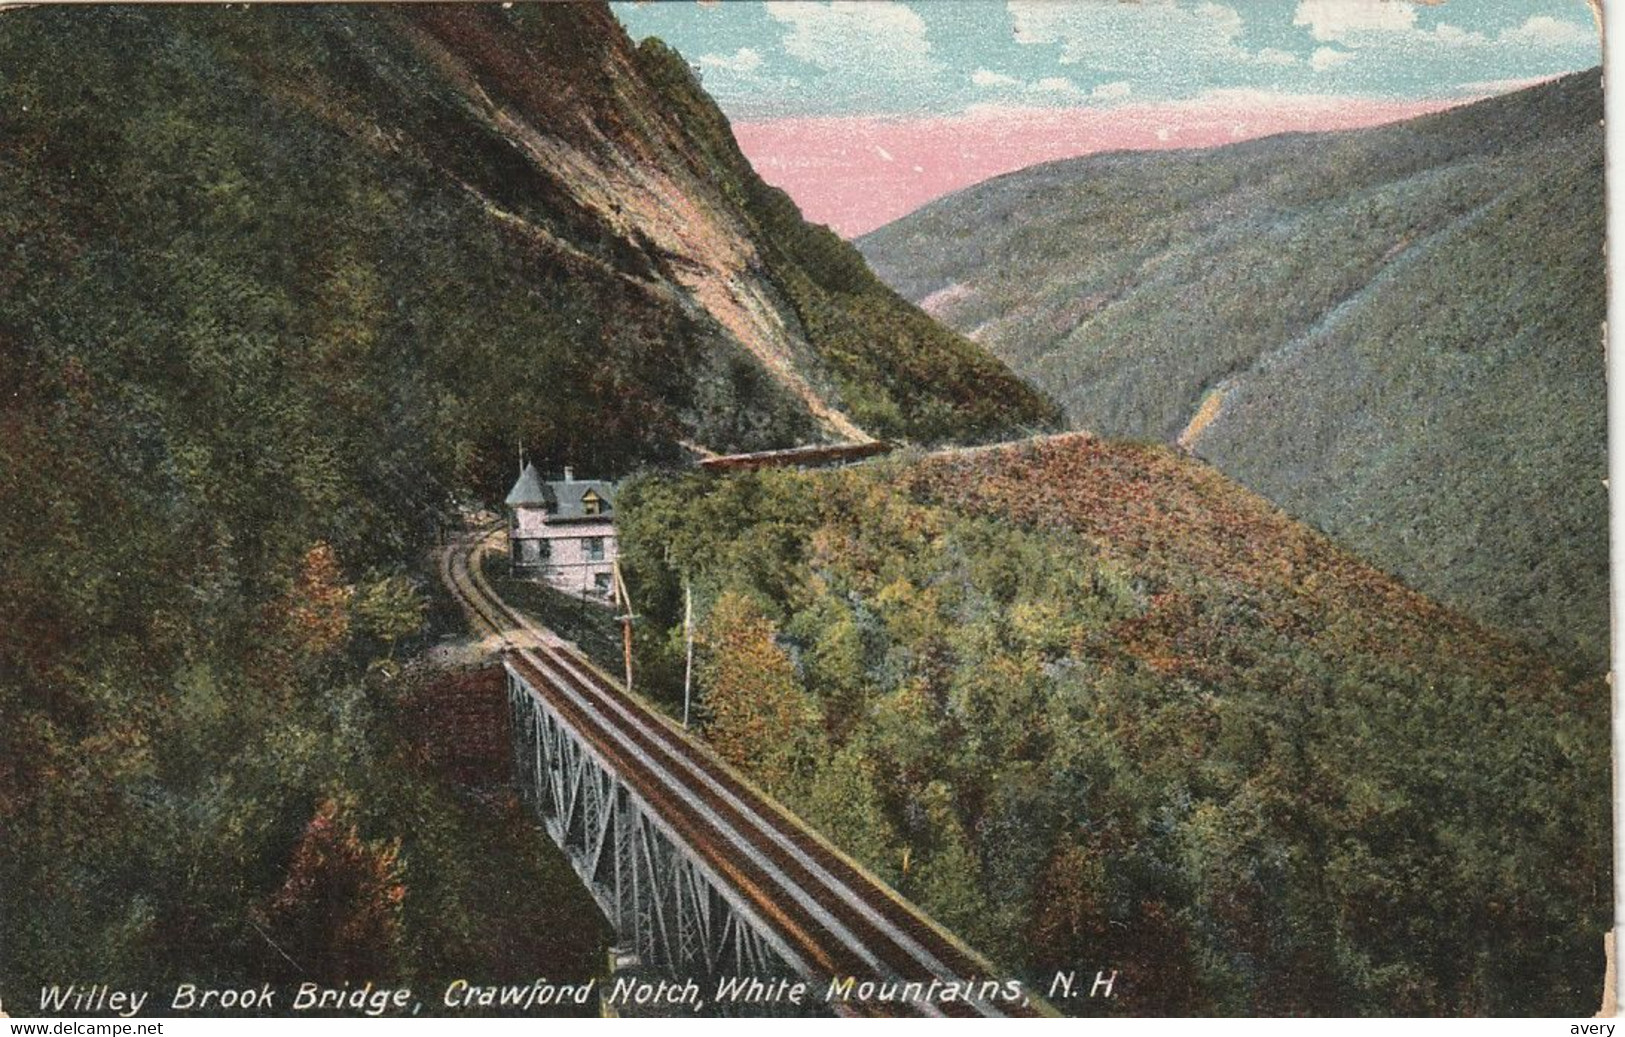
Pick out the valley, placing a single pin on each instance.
(1394, 333)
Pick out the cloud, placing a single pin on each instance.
(1328, 57)
(1543, 30)
(743, 61)
(989, 78)
(1048, 90)
(1452, 36)
(1117, 32)
(1331, 20)
(1172, 45)
(1272, 56)
(800, 56)
(1393, 45)
(858, 38)
(1393, 24)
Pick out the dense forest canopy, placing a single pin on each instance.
(1093, 705)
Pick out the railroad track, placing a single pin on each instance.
(837, 919)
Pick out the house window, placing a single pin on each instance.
(600, 582)
(591, 503)
(595, 548)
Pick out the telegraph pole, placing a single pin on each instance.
(626, 619)
(688, 638)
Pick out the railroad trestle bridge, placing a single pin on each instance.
(700, 874)
(670, 910)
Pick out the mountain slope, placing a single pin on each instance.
(280, 288)
(1394, 333)
(1093, 701)
(427, 156)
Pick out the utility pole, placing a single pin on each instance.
(626, 619)
(688, 639)
(513, 520)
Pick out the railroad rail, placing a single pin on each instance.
(700, 873)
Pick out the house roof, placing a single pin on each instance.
(568, 496)
(563, 498)
(527, 489)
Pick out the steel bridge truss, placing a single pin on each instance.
(665, 904)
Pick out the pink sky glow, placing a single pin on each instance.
(856, 173)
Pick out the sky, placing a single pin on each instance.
(864, 110)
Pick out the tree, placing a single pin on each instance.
(315, 609)
(338, 913)
(390, 608)
(1083, 913)
(842, 802)
(755, 712)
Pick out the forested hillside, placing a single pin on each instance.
(280, 287)
(1093, 705)
(1394, 333)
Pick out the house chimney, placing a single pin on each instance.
(569, 474)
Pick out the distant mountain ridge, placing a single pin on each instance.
(1394, 333)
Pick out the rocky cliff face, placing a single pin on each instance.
(565, 91)
(632, 174)
(534, 230)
